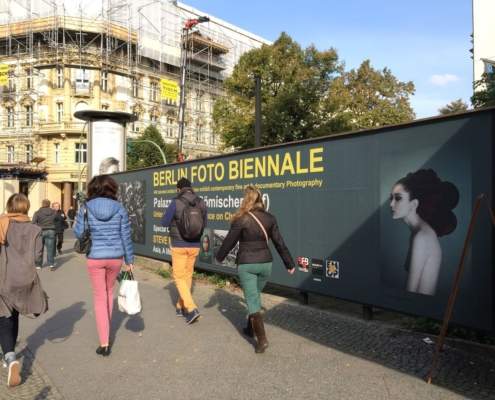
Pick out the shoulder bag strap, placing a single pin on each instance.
(260, 224)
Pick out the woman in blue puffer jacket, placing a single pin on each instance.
(111, 244)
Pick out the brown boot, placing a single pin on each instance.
(259, 331)
(248, 330)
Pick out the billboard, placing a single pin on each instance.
(376, 217)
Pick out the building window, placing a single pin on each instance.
(135, 124)
(10, 154)
(10, 117)
(29, 78)
(154, 119)
(104, 81)
(29, 115)
(82, 79)
(29, 153)
(135, 87)
(199, 134)
(81, 150)
(153, 91)
(60, 112)
(60, 77)
(11, 81)
(489, 67)
(170, 127)
(57, 152)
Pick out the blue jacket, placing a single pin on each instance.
(110, 229)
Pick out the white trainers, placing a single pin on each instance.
(51, 267)
(14, 376)
(38, 268)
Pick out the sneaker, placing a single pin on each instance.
(38, 268)
(192, 316)
(179, 312)
(14, 376)
(51, 267)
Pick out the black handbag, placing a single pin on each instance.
(83, 244)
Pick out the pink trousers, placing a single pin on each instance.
(103, 274)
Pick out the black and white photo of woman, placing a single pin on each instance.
(425, 203)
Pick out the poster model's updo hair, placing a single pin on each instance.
(436, 199)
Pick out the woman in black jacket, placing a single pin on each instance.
(252, 227)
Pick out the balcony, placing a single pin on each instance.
(46, 128)
(82, 89)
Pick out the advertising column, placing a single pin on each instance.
(106, 140)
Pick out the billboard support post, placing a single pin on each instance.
(455, 287)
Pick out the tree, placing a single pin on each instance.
(453, 107)
(306, 93)
(142, 154)
(368, 98)
(484, 91)
(293, 82)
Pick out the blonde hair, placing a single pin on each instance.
(252, 199)
(18, 203)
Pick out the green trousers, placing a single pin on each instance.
(253, 279)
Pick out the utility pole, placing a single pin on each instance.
(189, 24)
(257, 110)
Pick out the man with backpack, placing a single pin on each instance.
(186, 217)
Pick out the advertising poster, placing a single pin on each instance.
(107, 148)
(375, 217)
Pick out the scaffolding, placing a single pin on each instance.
(138, 40)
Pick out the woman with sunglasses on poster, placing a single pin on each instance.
(252, 226)
(425, 204)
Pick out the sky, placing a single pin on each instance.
(423, 41)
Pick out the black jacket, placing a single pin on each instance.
(45, 218)
(253, 247)
(60, 223)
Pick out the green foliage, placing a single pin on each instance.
(453, 107)
(306, 93)
(142, 154)
(484, 91)
(368, 98)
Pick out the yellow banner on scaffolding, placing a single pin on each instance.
(4, 74)
(169, 90)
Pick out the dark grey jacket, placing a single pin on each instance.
(45, 218)
(20, 286)
(253, 247)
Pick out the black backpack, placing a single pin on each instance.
(191, 220)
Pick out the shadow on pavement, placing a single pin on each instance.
(134, 323)
(55, 329)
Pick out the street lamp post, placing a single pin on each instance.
(189, 24)
(153, 143)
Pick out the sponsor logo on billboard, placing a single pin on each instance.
(303, 264)
(332, 269)
(317, 267)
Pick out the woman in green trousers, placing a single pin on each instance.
(252, 226)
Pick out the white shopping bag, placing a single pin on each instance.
(129, 299)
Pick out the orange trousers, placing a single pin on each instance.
(183, 259)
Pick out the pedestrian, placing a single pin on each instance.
(60, 226)
(21, 249)
(185, 242)
(45, 219)
(252, 226)
(111, 246)
(71, 214)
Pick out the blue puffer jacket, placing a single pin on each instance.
(110, 229)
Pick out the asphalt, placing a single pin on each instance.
(313, 354)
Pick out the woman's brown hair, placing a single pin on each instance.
(18, 203)
(102, 186)
(252, 200)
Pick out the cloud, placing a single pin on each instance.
(444, 79)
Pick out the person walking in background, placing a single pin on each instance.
(111, 245)
(185, 241)
(60, 226)
(252, 226)
(45, 219)
(71, 214)
(21, 248)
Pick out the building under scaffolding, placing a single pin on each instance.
(59, 57)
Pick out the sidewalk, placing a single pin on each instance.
(313, 354)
